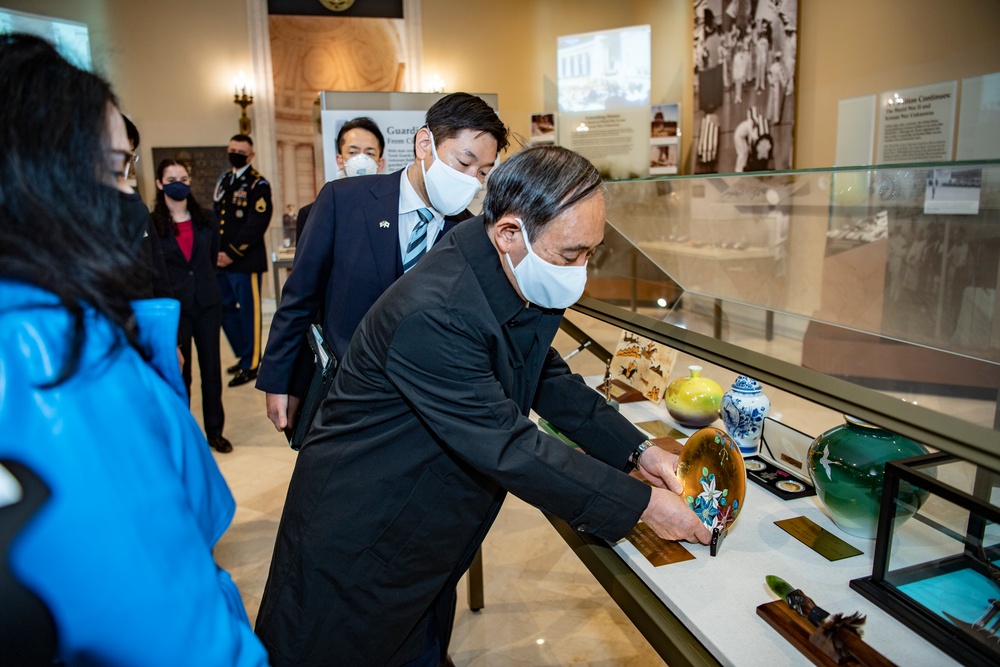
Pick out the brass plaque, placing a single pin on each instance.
(820, 540)
(655, 549)
(660, 429)
(790, 461)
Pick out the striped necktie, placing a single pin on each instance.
(417, 246)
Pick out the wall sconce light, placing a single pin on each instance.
(437, 84)
(243, 96)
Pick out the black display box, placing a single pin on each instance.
(939, 571)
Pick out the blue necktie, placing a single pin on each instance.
(417, 246)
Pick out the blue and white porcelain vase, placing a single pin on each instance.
(744, 408)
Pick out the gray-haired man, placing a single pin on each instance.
(427, 430)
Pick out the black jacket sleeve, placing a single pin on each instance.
(301, 299)
(443, 368)
(161, 282)
(582, 414)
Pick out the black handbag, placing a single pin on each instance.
(325, 368)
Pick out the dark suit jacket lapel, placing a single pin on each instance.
(452, 220)
(384, 208)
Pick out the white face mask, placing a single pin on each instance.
(360, 165)
(545, 284)
(449, 190)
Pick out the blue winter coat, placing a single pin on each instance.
(121, 553)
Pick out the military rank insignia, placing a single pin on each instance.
(260, 206)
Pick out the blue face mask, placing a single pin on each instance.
(178, 190)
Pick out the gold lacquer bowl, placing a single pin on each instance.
(714, 478)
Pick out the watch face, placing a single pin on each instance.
(337, 5)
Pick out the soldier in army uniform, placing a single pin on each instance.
(243, 207)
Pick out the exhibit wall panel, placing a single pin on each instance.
(852, 48)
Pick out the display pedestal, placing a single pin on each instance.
(797, 630)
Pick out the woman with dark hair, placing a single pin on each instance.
(114, 566)
(189, 238)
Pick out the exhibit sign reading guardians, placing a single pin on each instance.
(744, 102)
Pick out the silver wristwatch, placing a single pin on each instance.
(633, 458)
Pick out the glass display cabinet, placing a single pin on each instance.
(941, 578)
(870, 292)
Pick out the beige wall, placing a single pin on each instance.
(849, 48)
(846, 48)
(513, 51)
(172, 63)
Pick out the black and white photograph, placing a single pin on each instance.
(744, 79)
(937, 288)
(953, 191)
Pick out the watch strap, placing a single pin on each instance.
(633, 458)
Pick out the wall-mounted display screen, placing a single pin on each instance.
(604, 83)
(70, 38)
(604, 70)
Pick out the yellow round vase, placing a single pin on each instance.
(694, 401)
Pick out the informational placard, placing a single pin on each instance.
(979, 119)
(817, 538)
(917, 124)
(604, 83)
(856, 131)
(655, 549)
(664, 139)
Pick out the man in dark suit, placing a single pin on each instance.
(360, 146)
(426, 429)
(243, 209)
(364, 232)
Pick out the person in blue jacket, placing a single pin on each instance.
(114, 563)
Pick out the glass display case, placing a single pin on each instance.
(868, 292)
(939, 574)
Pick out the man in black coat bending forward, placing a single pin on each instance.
(426, 429)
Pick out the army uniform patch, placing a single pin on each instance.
(261, 205)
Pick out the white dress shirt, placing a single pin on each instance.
(409, 202)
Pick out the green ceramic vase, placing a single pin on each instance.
(847, 466)
(694, 401)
